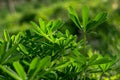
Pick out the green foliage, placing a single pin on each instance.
(99, 19)
(8, 49)
(45, 53)
(19, 69)
(74, 17)
(86, 23)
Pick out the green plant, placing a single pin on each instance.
(45, 53)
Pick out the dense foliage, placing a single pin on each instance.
(44, 52)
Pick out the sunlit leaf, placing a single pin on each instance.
(10, 72)
(19, 69)
(33, 64)
(62, 65)
(42, 25)
(85, 16)
(6, 36)
(23, 49)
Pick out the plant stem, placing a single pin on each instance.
(101, 75)
(84, 39)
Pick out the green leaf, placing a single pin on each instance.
(107, 66)
(42, 25)
(13, 38)
(26, 62)
(10, 72)
(33, 64)
(91, 25)
(19, 69)
(6, 35)
(99, 19)
(23, 49)
(17, 38)
(2, 77)
(56, 25)
(85, 16)
(62, 65)
(92, 59)
(74, 17)
(35, 28)
(78, 57)
(72, 11)
(49, 25)
(9, 53)
(40, 65)
(13, 58)
(101, 61)
(2, 49)
(40, 32)
(67, 33)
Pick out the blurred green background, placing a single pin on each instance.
(15, 16)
